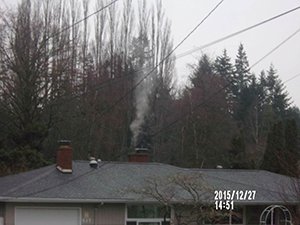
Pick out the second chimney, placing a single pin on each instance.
(64, 156)
(140, 155)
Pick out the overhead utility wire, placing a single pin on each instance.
(274, 49)
(235, 33)
(100, 86)
(219, 40)
(165, 58)
(89, 172)
(189, 112)
(83, 19)
(202, 103)
(292, 78)
(226, 86)
(106, 82)
(214, 42)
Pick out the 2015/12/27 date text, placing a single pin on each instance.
(237, 195)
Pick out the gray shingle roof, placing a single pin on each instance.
(126, 182)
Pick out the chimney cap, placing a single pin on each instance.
(64, 142)
(141, 150)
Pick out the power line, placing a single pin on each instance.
(89, 172)
(100, 86)
(193, 109)
(213, 42)
(165, 58)
(207, 45)
(201, 104)
(226, 86)
(83, 19)
(106, 82)
(277, 47)
(235, 33)
(292, 78)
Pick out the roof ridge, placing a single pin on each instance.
(126, 162)
(229, 170)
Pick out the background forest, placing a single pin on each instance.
(109, 83)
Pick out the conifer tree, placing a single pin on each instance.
(223, 66)
(242, 70)
(275, 145)
(276, 94)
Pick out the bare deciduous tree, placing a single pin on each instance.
(186, 194)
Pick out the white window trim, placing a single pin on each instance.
(145, 220)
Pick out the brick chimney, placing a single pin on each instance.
(64, 156)
(140, 155)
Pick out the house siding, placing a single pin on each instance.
(2, 208)
(111, 214)
(2, 205)
(9, 216)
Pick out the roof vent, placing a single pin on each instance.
(93, 162)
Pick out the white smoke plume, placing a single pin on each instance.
(141, 95)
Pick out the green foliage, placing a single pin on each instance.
(20, 160)
(242, 71)
(237, 153)
(226, 116)
(203, 69)
(224, 67)
(276, 94)
(282, 152)
(275, 145)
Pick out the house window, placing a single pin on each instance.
(147, 215)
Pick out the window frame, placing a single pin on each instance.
(144, 220)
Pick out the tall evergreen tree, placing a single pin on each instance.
(224, 68)
(276, 93)
(208, 121)
(242, 70)
(275, 145)
(202, 69)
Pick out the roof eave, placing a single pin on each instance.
(64, 200)
(125, 201)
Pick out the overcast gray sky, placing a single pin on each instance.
(232, 16)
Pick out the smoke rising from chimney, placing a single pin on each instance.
(141, 95)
